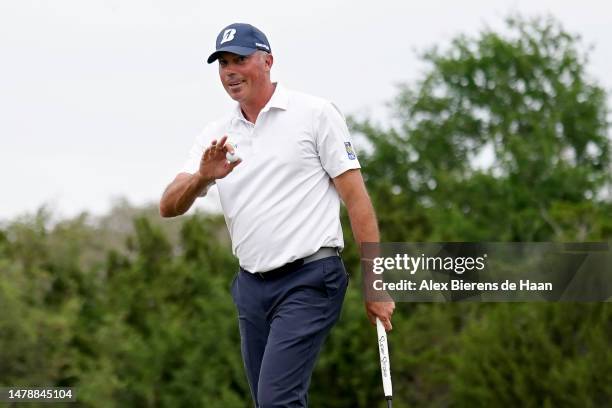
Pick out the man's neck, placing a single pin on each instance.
(251, 110)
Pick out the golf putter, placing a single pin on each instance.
(385, 364)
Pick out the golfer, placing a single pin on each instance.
(281, 202)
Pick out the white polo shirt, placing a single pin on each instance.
(280, 203)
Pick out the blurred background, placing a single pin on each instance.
(479, 121)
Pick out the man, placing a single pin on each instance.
(281, 202)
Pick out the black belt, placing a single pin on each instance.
(323, 252)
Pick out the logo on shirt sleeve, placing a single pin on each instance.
(349, 151)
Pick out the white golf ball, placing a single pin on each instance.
(231, 157)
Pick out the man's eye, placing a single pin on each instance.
(241, 59)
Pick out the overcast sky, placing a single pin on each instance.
(102, 99)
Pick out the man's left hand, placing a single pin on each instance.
(382, 310)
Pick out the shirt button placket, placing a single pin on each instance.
(252, 137)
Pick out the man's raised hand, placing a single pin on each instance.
(214, 164)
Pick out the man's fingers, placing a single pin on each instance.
(207, 153)
(385, 321)
(387, 324)
(234, 164)
(222, 141)
(218, 148)
(381, 310)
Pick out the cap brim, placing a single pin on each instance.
(234, 49)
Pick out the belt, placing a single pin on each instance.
(324, 252)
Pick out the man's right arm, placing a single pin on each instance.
(183, 191)
(180, 195)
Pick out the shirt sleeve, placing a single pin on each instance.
(334, 144)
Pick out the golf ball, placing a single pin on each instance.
(231, 157)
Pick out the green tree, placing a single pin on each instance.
(504, 138)
(502, 132)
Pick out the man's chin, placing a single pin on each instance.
(237, 96)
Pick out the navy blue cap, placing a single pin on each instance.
(241, 39)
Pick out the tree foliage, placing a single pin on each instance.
(501, 133)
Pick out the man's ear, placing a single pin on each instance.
(269, 62)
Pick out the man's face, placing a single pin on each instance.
(243, 77)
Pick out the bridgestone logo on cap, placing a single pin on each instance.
(228, 35)
(262, 46)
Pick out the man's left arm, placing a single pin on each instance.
(352, 191)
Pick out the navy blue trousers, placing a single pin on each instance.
(284, 320)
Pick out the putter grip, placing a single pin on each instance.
(385, 366)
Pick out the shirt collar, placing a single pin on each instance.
(279, 100)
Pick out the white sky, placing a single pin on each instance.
(102, 99)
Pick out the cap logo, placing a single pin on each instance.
(228, 35)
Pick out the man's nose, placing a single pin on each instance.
(228, 71)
